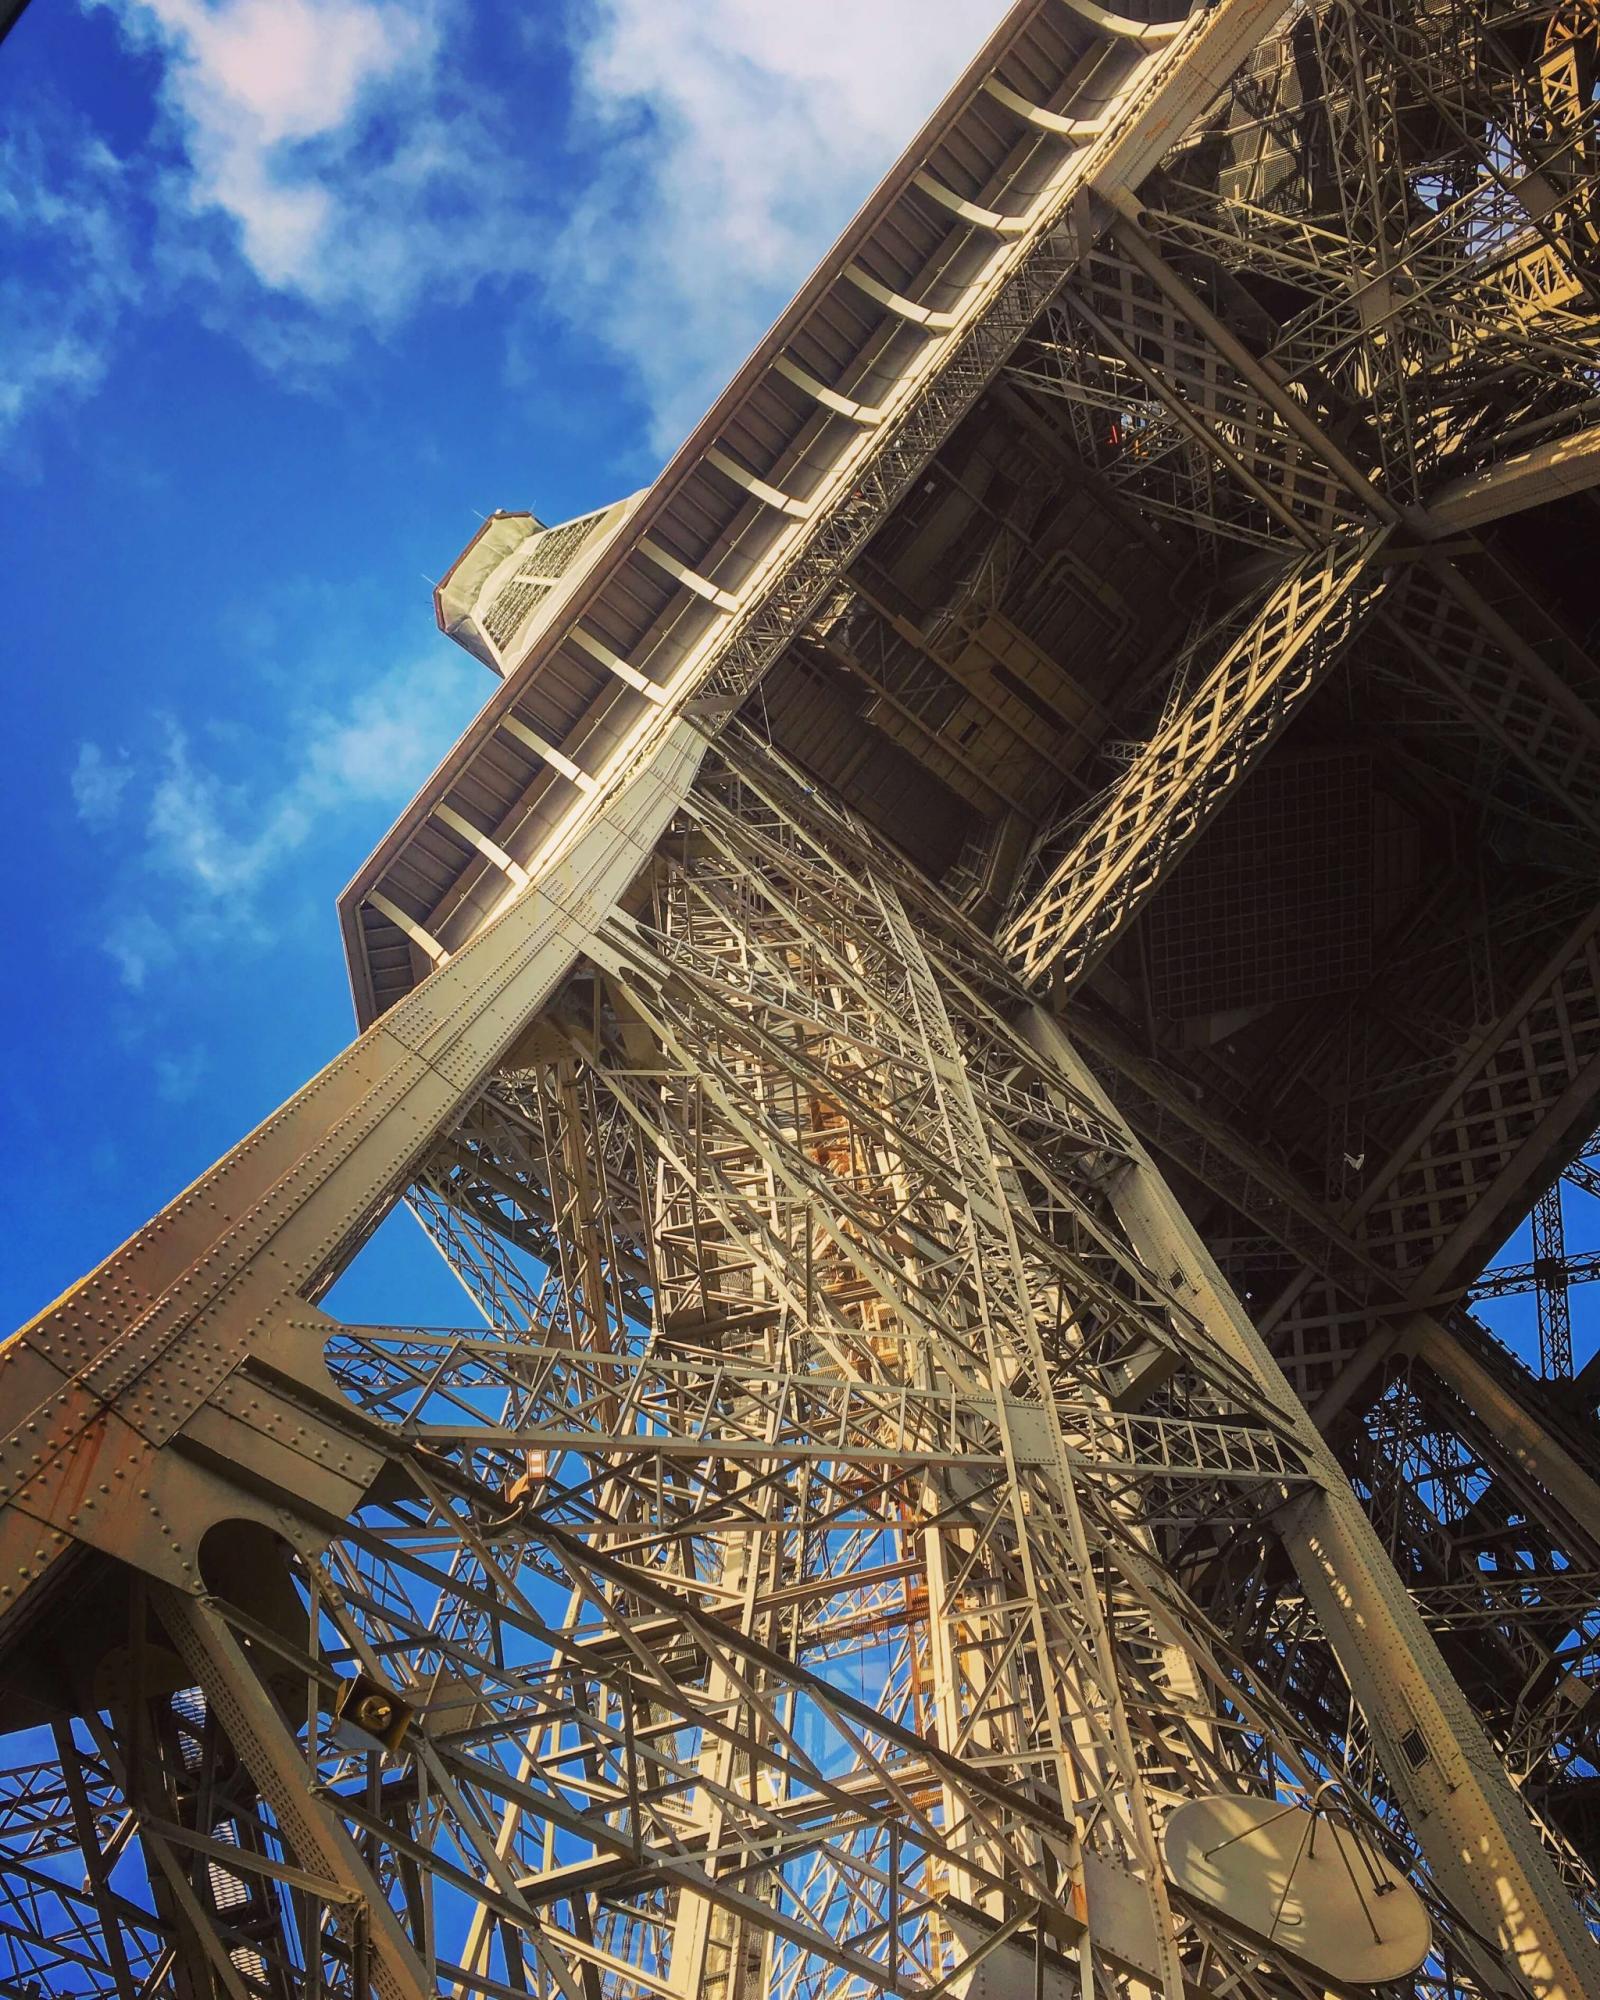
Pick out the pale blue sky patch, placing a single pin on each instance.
(98, 783)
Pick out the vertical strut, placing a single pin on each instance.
(1550, 1285)
(1455, 1789)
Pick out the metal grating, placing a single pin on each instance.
(541, 568)
(1275, 903)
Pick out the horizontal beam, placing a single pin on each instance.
(1549, 471)
(1502, 1280)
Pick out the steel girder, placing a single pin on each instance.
(1395, 168)
(836, 1629)
(1475, 1475)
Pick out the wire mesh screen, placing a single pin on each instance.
(1275, 902)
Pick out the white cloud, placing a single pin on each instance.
(732, 140)
(198, 828)
(68, 270)
(214, 847)
(324, 168)
(179, 1076)
(98, 783)
(138, 945)
(348, 167)
(223, 839)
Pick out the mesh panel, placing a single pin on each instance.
(1275, 902)
(513, 603)
(544, 561)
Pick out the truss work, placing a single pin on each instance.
(1012, 935)
(836, 1626)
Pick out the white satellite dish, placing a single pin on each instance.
(1302, 1881)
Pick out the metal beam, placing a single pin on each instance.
(1550, 1268)
(1456, 1793)
(134, 1350)
(1536, 1451)
(1182, 778)
(1551, 470)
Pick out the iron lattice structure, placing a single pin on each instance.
(968, 1014)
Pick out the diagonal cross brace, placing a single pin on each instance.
(1194, 763)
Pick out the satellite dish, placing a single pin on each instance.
(1302, 1881)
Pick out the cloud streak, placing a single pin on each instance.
(204, 848)
(319, 170)
(69, 265)
(98, 783)
(348, 167)
(259, 89)
(730, 141)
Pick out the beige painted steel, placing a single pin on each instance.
(717, 628)
(1466, 1815)
(135, 1350)
(187, 1356)
(1546, 1461)
(1532, 478)
(1192, 764)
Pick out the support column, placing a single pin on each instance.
(315, 1836)
(1546, 1461)
(1472, 1828)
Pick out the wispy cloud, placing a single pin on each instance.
(339, 145)
(223, 838)
(349, 165)
(268, 94)
(180, 1073)
(68, 263)
(321, 169)
(318, 169)
(138, 944)
(98, 783)
(206, 845)
(730, 141)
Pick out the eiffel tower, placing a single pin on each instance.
(1010, 938)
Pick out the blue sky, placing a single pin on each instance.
(291, 292)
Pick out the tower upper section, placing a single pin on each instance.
(735, 571)
(515, 574)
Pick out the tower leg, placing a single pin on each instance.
(1466, 1817)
